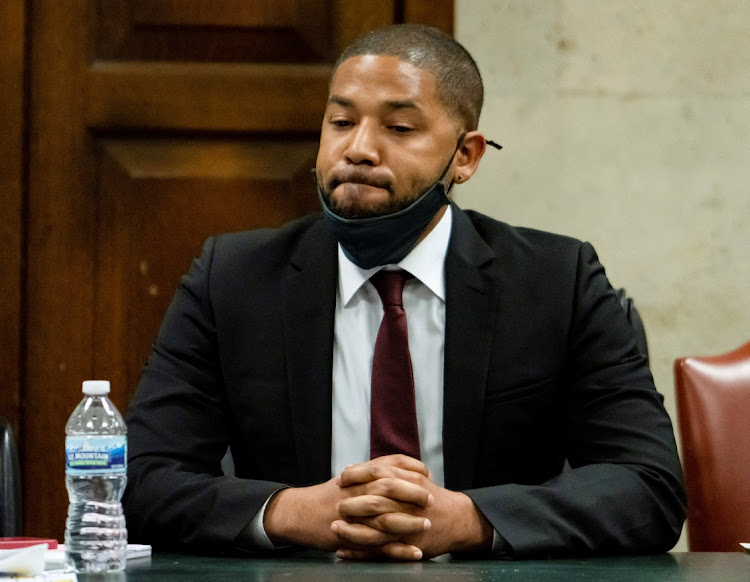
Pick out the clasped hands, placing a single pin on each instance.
(384, 508)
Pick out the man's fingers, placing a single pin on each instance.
(378, 531)
(397, 490)
(402, 461)
(399, 524)
(396, 523)
(367, 506)
(359, 535)
(393, 488)
(394, 551)
(389, 466)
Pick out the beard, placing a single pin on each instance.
(350, 207)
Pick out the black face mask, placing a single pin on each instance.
(383, 240)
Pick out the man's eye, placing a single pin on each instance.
(401, 128)
(341, 123)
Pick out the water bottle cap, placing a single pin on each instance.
(96, 387)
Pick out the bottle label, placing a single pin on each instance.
(95, 454)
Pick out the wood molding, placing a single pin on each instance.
(152, 95)
(59, 290)
(12, 122)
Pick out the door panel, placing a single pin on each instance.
(285, 31)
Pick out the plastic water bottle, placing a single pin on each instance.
(95, 475)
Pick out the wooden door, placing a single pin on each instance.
(154, 124)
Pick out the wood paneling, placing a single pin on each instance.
(437, 13)
(351, 19)
(283, 31)
(12, 14)
(235, 97)
(153, 124)
(216, 13)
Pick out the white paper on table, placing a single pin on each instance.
(138, 551)
(27, 561)
(746, 546)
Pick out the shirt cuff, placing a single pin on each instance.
(500, 546)
(254, 534)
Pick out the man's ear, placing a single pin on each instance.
(468, 156)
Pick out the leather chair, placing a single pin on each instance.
(713, 406)
(10, 483)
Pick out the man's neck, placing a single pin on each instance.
(432, 224)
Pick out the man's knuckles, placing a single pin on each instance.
(366, 505)
(399, 490)
(399, 523)
(400, 461)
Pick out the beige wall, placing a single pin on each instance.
(627, 123)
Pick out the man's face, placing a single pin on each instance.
(385, 136)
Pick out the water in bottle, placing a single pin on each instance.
(95, 475)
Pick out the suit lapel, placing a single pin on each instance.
(309, 300)
(471, 301)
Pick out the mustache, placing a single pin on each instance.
(358, 176)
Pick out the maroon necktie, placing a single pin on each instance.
(393, 411)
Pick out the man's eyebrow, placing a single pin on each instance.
(403, 104)
(338, 100)
(393, 104)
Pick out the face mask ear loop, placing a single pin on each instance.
(447, 167)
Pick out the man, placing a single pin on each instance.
(539, 429)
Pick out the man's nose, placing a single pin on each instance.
(363, 147)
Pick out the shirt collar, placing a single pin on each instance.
(426, 262)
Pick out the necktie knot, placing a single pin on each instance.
(390, 286)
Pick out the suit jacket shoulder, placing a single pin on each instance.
(504, 238)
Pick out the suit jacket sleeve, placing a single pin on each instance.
(179, 429)
(623, 492)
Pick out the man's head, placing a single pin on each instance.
(403, 107)
(459, 84)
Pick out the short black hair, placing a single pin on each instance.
(459, 84)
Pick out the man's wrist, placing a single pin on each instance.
(477, 533)
(302, 516)
(277, 522)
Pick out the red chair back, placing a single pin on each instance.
(713, 406)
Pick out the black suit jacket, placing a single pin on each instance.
(541, 366)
